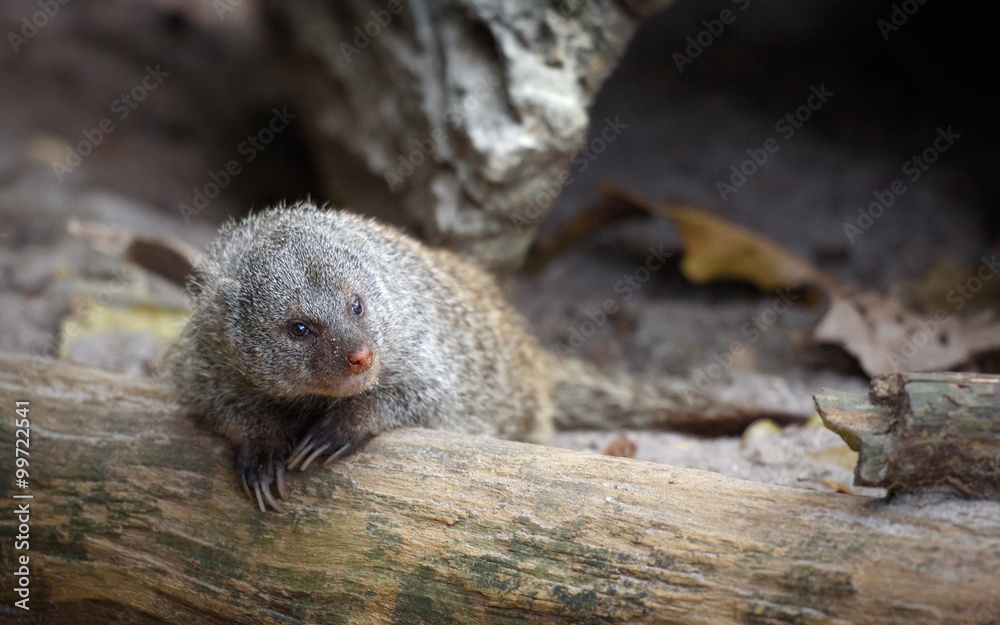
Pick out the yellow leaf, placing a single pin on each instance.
(715, 249)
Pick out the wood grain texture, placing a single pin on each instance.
(138, 518)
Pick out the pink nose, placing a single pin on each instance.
(359, 361)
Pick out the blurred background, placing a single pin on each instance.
(843, 151)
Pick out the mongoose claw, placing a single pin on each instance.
(300, 451)
(312, 448)
(258, 472)
(260, 491)
(279, 482)
(312, 456)
(340, 452)
(268, 496)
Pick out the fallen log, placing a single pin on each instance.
(137, 517)
(917, 431)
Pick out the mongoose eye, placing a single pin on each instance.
(357, 307)
(298, 329)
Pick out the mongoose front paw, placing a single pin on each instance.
(259, 469)
(316, 443)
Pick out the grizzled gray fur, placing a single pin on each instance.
(314, 330)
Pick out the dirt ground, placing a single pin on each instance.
(207, 83)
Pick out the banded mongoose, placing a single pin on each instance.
(314, 330)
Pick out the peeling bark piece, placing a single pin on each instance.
(922, 431)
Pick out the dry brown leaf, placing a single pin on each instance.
(886, 337)
(622, 447)
(715, 249)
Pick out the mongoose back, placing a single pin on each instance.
(314, 330)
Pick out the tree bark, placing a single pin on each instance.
(918, 431)
(137, 517)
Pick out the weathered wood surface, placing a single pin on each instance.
(138, 518)
(922, 431)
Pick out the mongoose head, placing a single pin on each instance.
(302, 309)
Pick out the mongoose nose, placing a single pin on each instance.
(360, 360)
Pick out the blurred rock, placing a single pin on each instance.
(457, 120)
